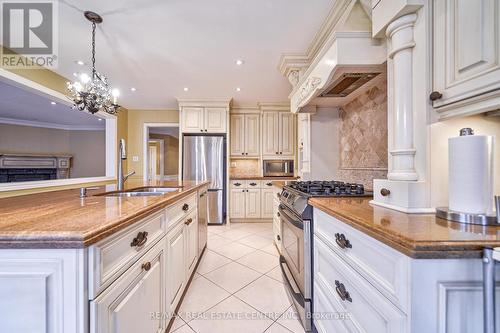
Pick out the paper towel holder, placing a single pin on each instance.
(467, 218)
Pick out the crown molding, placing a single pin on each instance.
(205, 102)
(274, 106)
(41, 124)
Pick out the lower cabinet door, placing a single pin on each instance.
(176, 267)
(366, 308)
(267, 204)
(237, 204)
(191, 232)
(252, 204)
(135, 302)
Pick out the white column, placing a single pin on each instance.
(400, 34)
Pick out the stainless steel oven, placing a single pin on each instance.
(278, 168)
(296, 262)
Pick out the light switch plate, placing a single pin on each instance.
(135, 158)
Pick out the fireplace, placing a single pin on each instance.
(26, 167)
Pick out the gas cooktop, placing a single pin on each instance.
(329, 188)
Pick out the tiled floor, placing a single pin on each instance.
(238, 285)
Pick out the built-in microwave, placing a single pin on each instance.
(278, 168)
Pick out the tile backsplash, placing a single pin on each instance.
(244, 168)
(363, 137)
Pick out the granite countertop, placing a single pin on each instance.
(416, 235)
(61, 219)
(262, 178)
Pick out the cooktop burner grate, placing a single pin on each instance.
(328, 188)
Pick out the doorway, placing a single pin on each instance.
(161, 152)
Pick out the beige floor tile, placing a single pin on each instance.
(266, 234)
(276, 274)
(201, 296)
(266, 295)
(255, 241)
(216, 241)
(236, 234)
(217, 229)
(290, 319)
(184, 329)
(230, 316)
(271, 249)
(260, 261)
(234, 250)
(232, 277)
(211, 261)
(277, 328)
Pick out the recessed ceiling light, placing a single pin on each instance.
(100, 119)
(53, 103)
(239, 62)
(79, 62)
(76, 74)
(186, 88)
(133, 89)
(238, 89)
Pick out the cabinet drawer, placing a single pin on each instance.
(266, 183)
(127, 305)
(382, 266)
(113, 255)
(237, 184)
(369, 310)
(180, 209)
(252, 183)
(330, 318)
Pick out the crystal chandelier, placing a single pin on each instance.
(92, 93)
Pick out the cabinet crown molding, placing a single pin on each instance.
(205, 102)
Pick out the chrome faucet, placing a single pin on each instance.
(122, 156)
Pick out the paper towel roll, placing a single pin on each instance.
(471, 182)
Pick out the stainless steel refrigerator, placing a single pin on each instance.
(204, 159)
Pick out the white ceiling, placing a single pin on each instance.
(162, 46)
(20, 106)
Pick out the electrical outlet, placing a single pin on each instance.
(135, 158)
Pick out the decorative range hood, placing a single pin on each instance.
(343, 60)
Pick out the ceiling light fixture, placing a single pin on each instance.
(186, 88)
(53, 103)
(133, 89)
(238, 89)
(79, 62)
(239, 62)
(92, 93)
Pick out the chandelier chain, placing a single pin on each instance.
(93, 49)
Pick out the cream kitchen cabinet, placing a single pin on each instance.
(267, 203)
(237, 203)
(176, 279)
(252, 203)
(126, 306)
(466, 57)
(278, 134)
(203, 120)
(191, 231)
(245, 135)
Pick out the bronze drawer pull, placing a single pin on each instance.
(342, 241)
(146, 266)
(269, 184)
(435, 95)
(140, 239)
(185, 207)
(385, 192)
(237, 184)
(188, 221)
(343, 293)
(253, 184)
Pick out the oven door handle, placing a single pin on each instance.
(288, 218)
(297, 295)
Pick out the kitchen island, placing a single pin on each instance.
(396, 272)
(102, 263)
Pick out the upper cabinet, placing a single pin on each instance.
(278, 134)
(245, 135)
(204, 116)
(466, 58)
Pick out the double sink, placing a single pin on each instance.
(142, 192)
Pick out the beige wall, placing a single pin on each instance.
(87, 147)
(136, 120)
(440, 133)
(170, 153)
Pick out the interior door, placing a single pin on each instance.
(152, 163)
(252, 135)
